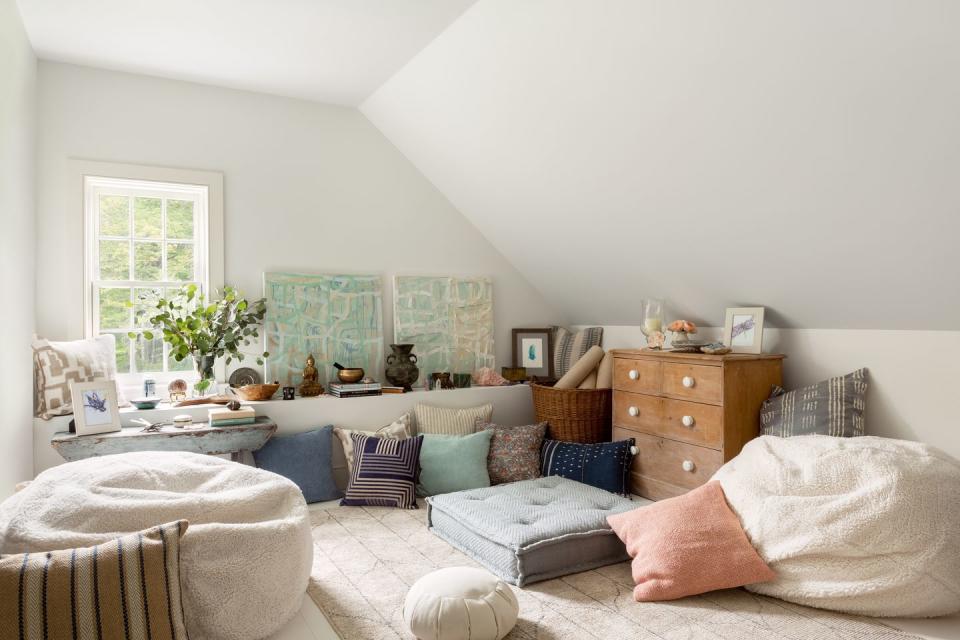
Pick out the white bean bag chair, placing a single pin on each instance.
(860, 525)
(245, 558)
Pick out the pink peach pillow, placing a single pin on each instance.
(688, 545)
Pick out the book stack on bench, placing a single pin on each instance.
(223, 417)
(341, 390)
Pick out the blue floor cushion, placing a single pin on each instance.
(304, 458)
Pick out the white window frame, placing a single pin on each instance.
(205, 186)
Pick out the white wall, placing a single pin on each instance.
(308, 187)
(18, 70)
(718, 153)
(913, 374)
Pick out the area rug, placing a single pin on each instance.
(366, 558)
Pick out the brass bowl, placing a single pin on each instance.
(349, 376)
(256, 391)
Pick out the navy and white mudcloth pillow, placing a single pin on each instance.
(605, 465)
(385, 472)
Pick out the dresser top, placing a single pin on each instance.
(694, 357)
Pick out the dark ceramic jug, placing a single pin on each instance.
(402, 370)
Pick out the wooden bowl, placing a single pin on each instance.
(349, 376)
(256, 391)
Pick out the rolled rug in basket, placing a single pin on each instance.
(590, 382)
(605, 372)
(581, 369)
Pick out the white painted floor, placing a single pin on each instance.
(310, 624)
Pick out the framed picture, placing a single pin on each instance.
(533, 350)
(95, 408)
(743, 329)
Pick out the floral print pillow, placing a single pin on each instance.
(514, 451)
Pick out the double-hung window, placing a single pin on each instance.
(144, 240)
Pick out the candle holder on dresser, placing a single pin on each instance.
(652, 325)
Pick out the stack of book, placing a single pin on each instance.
(223, 417)
(341, 390)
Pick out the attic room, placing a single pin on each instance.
(477, 319)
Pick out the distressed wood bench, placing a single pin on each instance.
(197, 438)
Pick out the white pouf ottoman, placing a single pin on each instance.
(245, 558)
(460, 603)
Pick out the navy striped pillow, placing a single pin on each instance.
(605, 465)
(384, 472)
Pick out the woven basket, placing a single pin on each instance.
(574, 415)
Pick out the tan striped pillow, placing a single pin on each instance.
(451, 422)
(125, 588)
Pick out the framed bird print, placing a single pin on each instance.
(95, 408)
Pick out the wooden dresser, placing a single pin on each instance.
(689, 413)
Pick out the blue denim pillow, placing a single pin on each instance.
(605, 465)
(304, 458)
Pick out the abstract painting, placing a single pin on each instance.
(450, 320)
(337, 318)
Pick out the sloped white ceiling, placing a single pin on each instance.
(804, 156)
(335, 51)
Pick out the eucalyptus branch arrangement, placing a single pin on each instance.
(205, 331)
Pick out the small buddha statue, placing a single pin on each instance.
(310, 386)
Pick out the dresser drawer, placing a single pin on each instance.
(691, 422)
(693, 382)
(639, 376)
(671, 467)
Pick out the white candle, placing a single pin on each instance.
(651, 324)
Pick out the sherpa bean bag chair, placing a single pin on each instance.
(860, 525)
(246, 556)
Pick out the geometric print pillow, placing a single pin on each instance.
(385, 472)
(834, 407)
(57, 364)
(569, 347)
(128, 587)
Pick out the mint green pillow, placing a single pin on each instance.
(453, 463)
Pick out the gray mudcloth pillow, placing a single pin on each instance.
(834, 407)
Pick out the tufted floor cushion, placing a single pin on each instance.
(245, 559)
(532, 530)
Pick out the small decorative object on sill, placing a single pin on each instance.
(655, 340)
(145, 403)
(441, 380)
(289, 393)
(177, 390)
(310, 387)
(681, 330)
(348, 375)
(514, 374)
(461, 380)
(402, 369)
(233, 405)
(251, 392)
(715, 349)
(487, 377)
(653, 322)
(190, 402)
(149, 387)
(182, 420)
(243, 376)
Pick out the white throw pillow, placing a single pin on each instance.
(57, 364)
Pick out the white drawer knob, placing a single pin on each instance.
(688, 421)
(688, 381)
(634, 374)
(688, 465)
(633, 411)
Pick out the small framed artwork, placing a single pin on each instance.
(95, 408)
(743, 329)
(533, 350)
